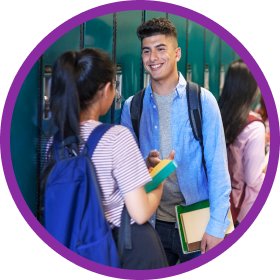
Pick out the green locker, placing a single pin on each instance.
(68, 42)
(195, 52)
(93, 37)
(211, 67)
(153, 14)
(181, 26)
(236, 56)
(227, 56)
(128, 54)
(23, 137)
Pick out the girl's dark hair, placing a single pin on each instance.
(237, 98)
(156, 26)
(76, 78)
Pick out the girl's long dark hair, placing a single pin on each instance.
(237, 98)
(76, 78)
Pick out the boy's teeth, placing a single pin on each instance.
(155, 66)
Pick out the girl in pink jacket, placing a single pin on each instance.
(245, 138)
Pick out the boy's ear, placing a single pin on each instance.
(178, 54)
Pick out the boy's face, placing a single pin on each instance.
(160, 55)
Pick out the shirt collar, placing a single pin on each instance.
(180, 88)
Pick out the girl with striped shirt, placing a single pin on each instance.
(82, 90)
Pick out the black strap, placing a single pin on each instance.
(124, 235)
(195, 115)
(193, 91)
(136, 108)
(61, 148)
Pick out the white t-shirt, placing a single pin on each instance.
(119, 165)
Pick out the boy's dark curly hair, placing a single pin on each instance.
(156, 26)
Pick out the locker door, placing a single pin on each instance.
(24, 138)
(236, 56)
(68, 42)
(212, 62)
(98, 33)
(227, 56)
(181, 26)
(154, 14)
(195, 52)
(128, 55)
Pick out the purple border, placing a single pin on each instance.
(40, 49)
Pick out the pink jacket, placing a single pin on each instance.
(246, 156)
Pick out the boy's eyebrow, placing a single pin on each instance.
(157, 46)
(160, 45)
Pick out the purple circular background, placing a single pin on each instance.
(41, 48)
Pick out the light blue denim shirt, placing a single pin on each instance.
(188, 155)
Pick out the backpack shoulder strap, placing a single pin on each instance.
(136, 108)
(195, 115)
(94, 138)
(252, 118)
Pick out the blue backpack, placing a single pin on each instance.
(73, 209)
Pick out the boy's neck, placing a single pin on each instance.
(166, 86)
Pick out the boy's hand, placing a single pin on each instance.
(152, 159)
(208, 242)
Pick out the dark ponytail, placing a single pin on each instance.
(237, 98)
(76, 78)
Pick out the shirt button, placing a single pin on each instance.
(153, 221)
(154, 106)
(155, 127)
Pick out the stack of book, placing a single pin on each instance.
(192, 221)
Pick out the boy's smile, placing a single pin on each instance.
(160, 57)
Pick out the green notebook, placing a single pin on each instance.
(160, 173)
(192, 222)
(184, 209)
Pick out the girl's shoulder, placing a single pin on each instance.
(113, 133)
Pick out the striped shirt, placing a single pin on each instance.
(119, 166)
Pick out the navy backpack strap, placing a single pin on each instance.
(195, 115)
(124, 236)
(136, 108)
(124, 239)
(60, 147)
(94, 138)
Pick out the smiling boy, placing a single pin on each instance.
(165, 127)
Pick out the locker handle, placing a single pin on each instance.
(222, 78)
(189, 73)
(206, 76)
(118, 95)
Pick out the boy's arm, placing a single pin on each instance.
(217, 168)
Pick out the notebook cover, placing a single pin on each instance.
(184, 209)
(160, 173)
(194, 246)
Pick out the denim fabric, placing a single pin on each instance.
(188, 155)
(170, 239)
